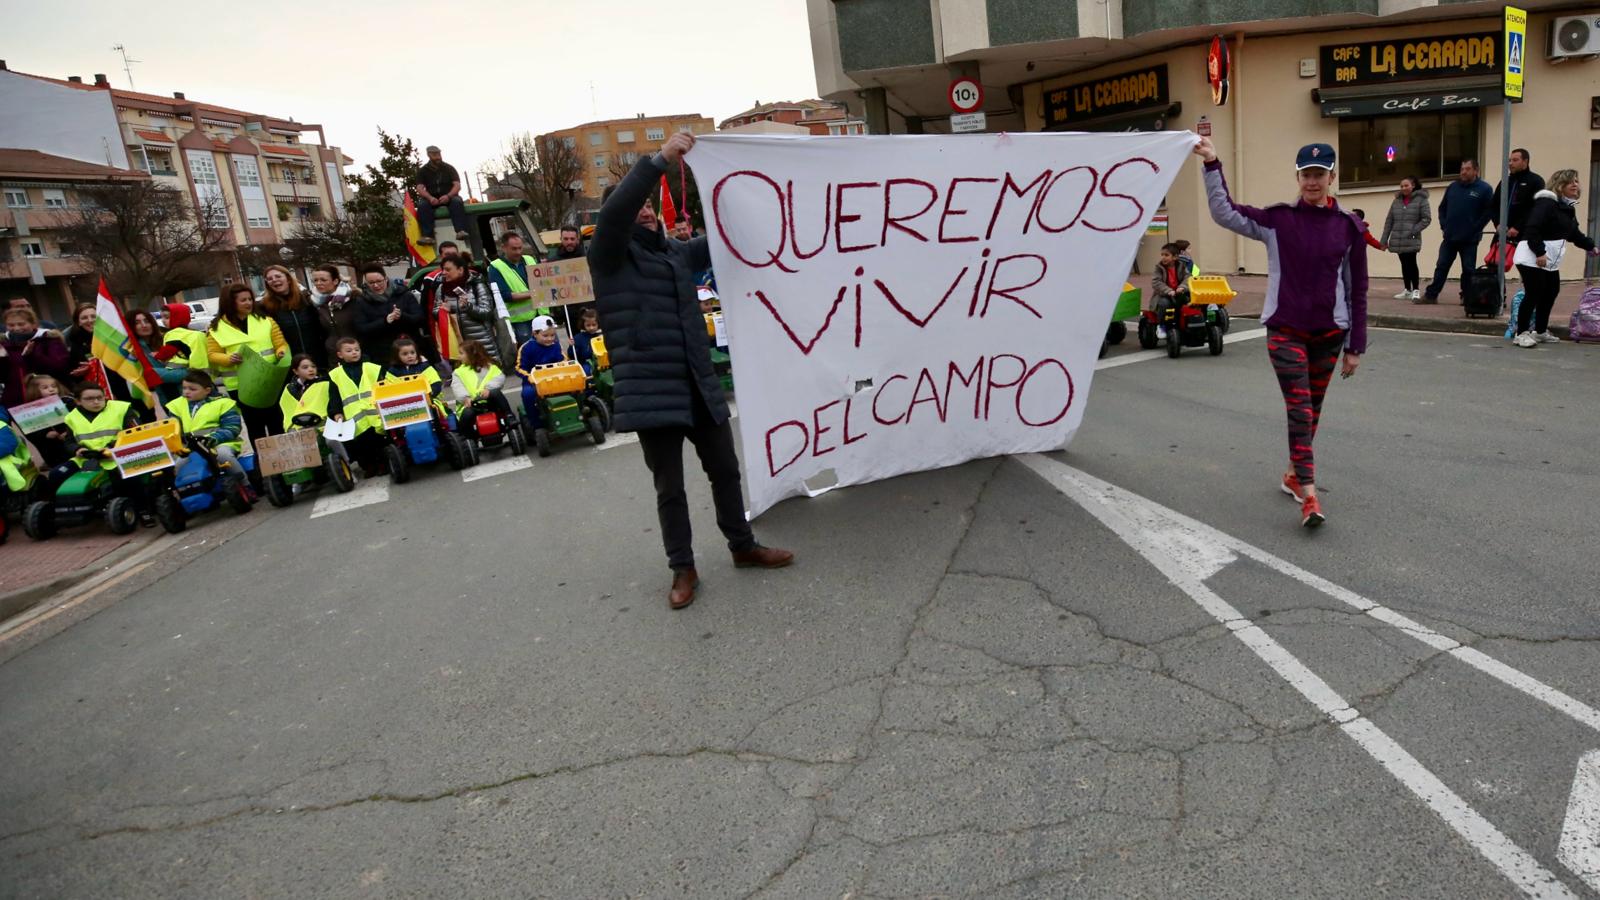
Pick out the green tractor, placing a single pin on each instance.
(566, 407)
(335, 468)
(86, 495)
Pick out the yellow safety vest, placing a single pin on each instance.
(314, 400)
(205, 420)
(196, 342)
(258, 339)
(100, 432)
(359, 407)
(16, 467)
(472, 381)
(518, 310)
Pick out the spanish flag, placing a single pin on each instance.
(421, 254)
(113, 344)
(669, 211)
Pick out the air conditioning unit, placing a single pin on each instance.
(1572, 36)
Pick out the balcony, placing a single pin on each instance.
(1145, 16)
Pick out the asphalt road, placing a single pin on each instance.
(1118, 671)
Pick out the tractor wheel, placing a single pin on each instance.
(39, 521)
(1174, 341)
(238, 499)
(1214, 339)
(1147, 334)
(541, 439)
(171, 514)
(399, 466)
(1222, 318)
(514, 436)
(278, 492)
(454, 453)
(597, 431)
(1104, 347)
(1117, 333)
(121, 517)
(340, 473)
(602, 410)
(472, 453)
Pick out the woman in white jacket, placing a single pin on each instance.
(1551, 226)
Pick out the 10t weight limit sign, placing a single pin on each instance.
(966, 99)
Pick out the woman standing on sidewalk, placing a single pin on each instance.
(1551, 225)
(1409, 216)
(1316, 302)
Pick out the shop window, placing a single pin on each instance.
(1385, 149)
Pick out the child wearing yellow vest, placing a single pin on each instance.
(93, 426)
(215, 420)
(408, 360)
(306, 394)
(353, 382)
(477, 378)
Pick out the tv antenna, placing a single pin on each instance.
(127, 64)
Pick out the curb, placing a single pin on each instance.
(1495, 327)
(14, 603)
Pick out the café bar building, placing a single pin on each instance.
(1399, 87)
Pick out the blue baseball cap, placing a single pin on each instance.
(1314, 156)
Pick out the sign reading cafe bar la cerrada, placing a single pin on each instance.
(1410, 59)
(906, 302)
(1109, 96)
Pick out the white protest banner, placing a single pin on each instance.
(910, 302)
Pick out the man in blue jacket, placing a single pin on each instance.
(1467, 206)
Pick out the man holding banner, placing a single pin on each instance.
(665, 387)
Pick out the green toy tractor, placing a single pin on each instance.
(566, 408)
(85, 495)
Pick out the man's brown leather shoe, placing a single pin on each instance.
(684, 582)
(763, 557)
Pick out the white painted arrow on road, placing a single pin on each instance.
(1580, 833)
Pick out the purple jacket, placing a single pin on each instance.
(1316, 261)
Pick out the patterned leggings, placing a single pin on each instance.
(1304, 363)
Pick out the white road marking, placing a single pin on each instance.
(1168, 540)
(1128, 359)
(514, 462)
(368, 491)
(1580, 832)
(619, 440)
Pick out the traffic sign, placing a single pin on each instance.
(964, 122)
(1516, 45)
(966, 95)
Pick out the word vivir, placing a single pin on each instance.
(851, 217)
(1021, 271)
(1000, 386)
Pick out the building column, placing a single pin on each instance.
(876, 102)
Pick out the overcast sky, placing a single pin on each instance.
(463, 74)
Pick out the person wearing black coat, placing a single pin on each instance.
(297, 316)
(383, 315)
(666, 389)
(1551, 226)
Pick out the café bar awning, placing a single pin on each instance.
(1410, 97)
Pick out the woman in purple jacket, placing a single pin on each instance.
(1316, 302)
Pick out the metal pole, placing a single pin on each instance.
(1505, 194)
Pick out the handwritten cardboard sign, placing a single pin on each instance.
(288, 452)
(45, 412)
(910, 302)
(561, 282)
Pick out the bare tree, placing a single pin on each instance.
(147, 240)
(546, 171)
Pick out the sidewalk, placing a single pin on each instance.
(1386, 312)
(34, 570)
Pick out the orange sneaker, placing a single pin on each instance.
(1291, 486)
(1311, 512)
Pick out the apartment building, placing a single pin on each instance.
(260, 177)
(611, 144)
(40, 197)
(819, 117)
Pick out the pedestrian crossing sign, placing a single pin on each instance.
(1516, 44)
